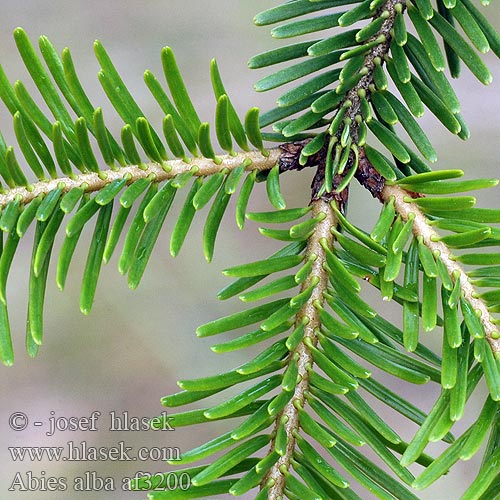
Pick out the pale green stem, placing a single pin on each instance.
(96, 181)
(456, 272)
(276, 476)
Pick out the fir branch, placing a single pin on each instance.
(339, 155)
(309, 311)
(94, 181)
(380, 50)
(352, 99)
(456, 272)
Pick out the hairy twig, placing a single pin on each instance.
(92, 181)
(430, 238)
(276, 476)
(379, 51)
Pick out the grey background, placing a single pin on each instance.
(135, 345)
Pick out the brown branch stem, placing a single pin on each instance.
(380, 51)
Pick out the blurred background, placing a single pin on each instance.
(132, 348)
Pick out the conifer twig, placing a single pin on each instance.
(276, 476)
(96, 181)
(429, 236)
